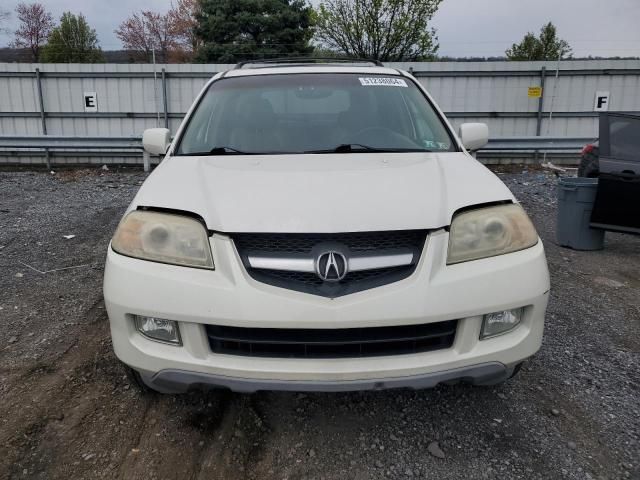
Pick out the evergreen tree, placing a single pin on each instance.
(73, 41)
(234, 30)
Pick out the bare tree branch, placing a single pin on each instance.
(171, 35)
(35, 25)
(385, 30)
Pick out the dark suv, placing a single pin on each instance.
(615, 160)
(616, 151)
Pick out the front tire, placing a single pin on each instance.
(136, 380)
(492, 382)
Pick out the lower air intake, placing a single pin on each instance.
(331, 343)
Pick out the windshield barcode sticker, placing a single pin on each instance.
(383, 82)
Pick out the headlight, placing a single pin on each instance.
(163, 237)
(490, 231)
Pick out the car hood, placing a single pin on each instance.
(331, 193)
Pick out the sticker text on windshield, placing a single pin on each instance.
(383, 81)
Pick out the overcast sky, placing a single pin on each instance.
(465, 27)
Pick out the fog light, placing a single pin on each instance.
(158, 329)
(500, 322)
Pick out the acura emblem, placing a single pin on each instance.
(331, 266)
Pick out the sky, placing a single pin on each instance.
(465, 28)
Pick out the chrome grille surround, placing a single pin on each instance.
(290, 260)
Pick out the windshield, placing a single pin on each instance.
(313, 113)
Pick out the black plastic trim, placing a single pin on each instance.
(174, 211)
(304, 61)
(331, 343)
(180, 381)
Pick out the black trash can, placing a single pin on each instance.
(576, 196)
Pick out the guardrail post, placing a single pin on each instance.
(543, 75)
(146, 160)
(43, 120)
(164, 98)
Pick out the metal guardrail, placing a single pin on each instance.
(519, 144)
(84, 143)
(76, 144)
(134, 143)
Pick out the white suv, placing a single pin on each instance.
(322, 227)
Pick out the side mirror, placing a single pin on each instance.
(474, 135)
(156, 140)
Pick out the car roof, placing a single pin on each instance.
(311, 68)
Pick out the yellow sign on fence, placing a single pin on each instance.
(535, 92)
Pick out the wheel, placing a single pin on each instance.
(492, 382)
(136, 380)
(590, 164)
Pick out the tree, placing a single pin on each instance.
(35, 24)
(233, 30)
(73, 41)
(184, 23)
(386, 30)
(135, 35)
(148, 32)
(545, 47)
(160, 31)
(171, 35)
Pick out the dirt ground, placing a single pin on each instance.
(67, 410)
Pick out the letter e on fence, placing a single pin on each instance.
(90, 102)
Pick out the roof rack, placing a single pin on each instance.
(287, 61)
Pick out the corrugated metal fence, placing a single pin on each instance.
(49, 98)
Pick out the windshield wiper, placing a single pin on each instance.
(218, 151)
(358, 147)
(226, 151)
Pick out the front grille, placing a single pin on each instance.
(313, 280)
(303, 244)
(331, 343)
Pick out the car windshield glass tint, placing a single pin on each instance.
(314, 113)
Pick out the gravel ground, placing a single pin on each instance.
(68, 411)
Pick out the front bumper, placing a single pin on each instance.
(228, 296)
(179, 381)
